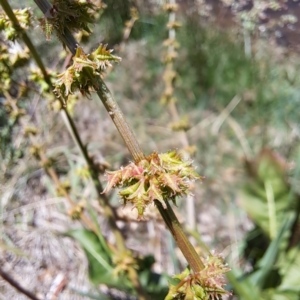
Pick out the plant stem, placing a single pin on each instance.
(133, 146)
(180, 237)
(105, 95)
(190, 199)
(109, 212)
(118, 118)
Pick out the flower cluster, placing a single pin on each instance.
(24, 18)
(181, 125)
(5, 68)
(76, 15)
(204, 285)
(76, 212)
(159, 177)
(123, 261)
(74, 78)
(12, 57)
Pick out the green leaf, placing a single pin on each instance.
(244, 288)
(290, 270)
(267, 263)
(274, 294)
(156, 285)
(267, 197)
(100, 265)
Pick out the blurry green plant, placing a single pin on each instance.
(102, 269)
(272, 247)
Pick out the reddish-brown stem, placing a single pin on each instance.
(16, 285)
(180, 237)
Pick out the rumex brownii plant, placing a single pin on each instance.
(156, 178)
(168, 98)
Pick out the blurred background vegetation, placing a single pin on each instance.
(238, 86)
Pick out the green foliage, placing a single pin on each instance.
(205, 285)
(116, 13)
(213, 65)
(76, 76)
(8, 153)
(270, 201)
(24, 18)
(101, 268)
(267, 197)
(100, 260)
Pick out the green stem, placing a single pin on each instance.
(109, 212)
(180, 237)
(118, 118)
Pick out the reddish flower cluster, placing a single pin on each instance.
(204, 285)
(159, 177)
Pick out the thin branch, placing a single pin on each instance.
(16, 285)
(180, 237)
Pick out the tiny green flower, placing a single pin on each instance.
(124, 261)
(24, 18)
(74, 78)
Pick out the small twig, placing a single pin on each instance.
(225, 114)
(16, 285)
(190, 200)
(59, 282)
(241, 136)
